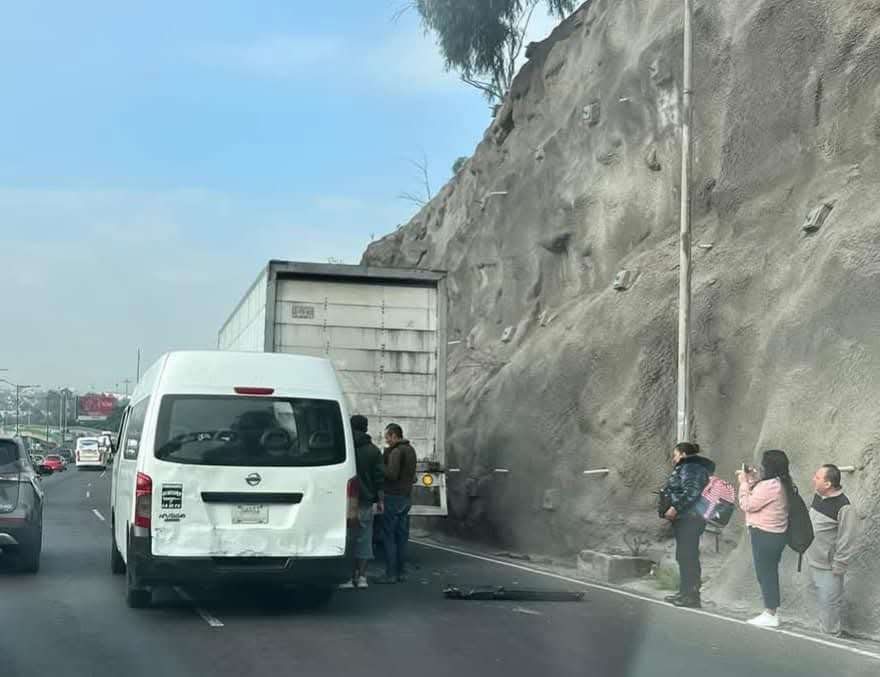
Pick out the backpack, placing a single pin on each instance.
(717, 502)
(799, 535)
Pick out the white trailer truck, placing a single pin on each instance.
(384, 329)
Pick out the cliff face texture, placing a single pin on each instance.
(577, 179)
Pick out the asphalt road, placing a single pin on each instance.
(71, 620)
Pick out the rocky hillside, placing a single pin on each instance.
(577, 179)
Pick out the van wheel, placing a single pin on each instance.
(117, 564)
(135, 596)
(315, 597)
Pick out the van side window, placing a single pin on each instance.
(132, 442)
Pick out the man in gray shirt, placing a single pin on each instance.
(835, 525)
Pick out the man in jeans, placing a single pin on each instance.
(400, 474)
(835, 529)
(371, 478)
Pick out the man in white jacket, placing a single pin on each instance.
(835, 525)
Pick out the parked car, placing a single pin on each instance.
(55, 462)
(66, 454)
(21, 506)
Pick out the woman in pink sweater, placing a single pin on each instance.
(764, 499)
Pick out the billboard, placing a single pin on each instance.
(95, 407)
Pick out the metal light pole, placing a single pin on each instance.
(18, 388)
(685, 414)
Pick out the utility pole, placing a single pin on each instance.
(685, 415)
(127, 382)
(64, 414)
(47, 415)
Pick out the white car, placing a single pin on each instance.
(90, 454)
(234, 466)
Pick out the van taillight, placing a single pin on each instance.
(353, 492)
(143, 501)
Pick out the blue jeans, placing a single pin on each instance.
(395, 526)
(766, 553)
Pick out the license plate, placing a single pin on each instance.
(250, 514)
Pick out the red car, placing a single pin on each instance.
(55, 462)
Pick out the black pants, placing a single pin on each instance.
(687, 530)
(766, 553)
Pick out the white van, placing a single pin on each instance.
(236, 466)
(90, 454)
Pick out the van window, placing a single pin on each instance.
(136, 417)
(249, 431)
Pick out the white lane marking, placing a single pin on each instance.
(208, 617)
(88, 494)
(98, 515)
(529, 612)
(649, 600)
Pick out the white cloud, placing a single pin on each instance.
(405, 59)
(276, 57)
(411, 61)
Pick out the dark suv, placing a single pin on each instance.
(66, 454)
(21, 506)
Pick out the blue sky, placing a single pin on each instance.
(155, 155)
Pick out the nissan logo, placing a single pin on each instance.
(253, 479)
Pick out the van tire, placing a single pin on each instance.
(117, 564)
(315, 597)
(136, 597)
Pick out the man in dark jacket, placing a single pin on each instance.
(400, 475)
(371, 476)
(689, 477)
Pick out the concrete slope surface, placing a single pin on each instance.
(578, 179)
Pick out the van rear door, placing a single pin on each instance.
(249, 474)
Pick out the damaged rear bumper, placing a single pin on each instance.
(152, 570)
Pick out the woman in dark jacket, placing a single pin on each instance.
(689, 477)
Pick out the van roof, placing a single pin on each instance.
(220, 370)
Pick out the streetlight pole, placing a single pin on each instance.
(18, 388)
(685, 415)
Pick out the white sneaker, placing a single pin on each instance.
(348, 585)
(362, 582)
(766, 620)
